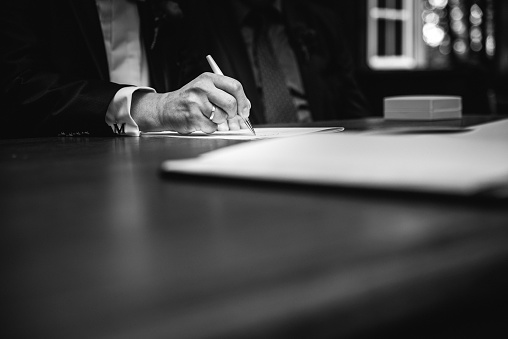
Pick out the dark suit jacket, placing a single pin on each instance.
(54, 68)
(315, 34)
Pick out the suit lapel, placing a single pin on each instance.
(85, 13)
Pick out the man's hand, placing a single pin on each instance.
(189, 108)
(234, 124)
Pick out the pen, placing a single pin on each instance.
(217, 70)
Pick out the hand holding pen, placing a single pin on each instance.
(216, 70)
(207, 103)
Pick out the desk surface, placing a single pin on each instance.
(98, 245)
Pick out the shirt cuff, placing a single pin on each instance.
(118, 116)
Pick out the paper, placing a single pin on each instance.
(245, 134)
(462, 164)
(492, 131)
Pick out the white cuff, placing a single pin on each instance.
(118, 116)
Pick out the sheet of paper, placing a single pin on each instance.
(493, 131)
(462, 164)
(245, 134)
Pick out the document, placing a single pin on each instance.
(468, 163)
(245, 134)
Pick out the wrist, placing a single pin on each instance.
(144, 110)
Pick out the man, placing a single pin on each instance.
(102, 66)
(290, 56)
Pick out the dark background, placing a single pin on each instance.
(482, 84)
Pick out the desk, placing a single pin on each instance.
(96, 244)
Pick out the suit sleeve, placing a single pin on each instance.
(38, 95)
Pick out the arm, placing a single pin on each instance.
(42, 93)
(49, 85)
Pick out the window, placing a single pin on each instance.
(428, 34)
(390, 28)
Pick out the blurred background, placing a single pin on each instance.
(450, 47)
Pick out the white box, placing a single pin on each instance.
(422, 107)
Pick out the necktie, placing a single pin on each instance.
(278, 104)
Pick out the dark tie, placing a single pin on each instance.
(278, 104)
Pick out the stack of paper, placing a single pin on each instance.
(422, 107)
(464, 164)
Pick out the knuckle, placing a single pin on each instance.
(199, 86)
(237, 86)
(204, 77)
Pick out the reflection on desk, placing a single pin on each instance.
(98, 245)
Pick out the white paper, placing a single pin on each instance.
(457, 164)
(246, 134)
(496, 131)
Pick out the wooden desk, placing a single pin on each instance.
(96, 244)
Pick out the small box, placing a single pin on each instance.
(422, 107)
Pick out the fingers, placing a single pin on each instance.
(202, 123)
(233, 124)
(228, 94)
(223, 127)
(217, 114)
(202, 115)
(204, 104)
(217, 119)
(242, 123)
(236, 123)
